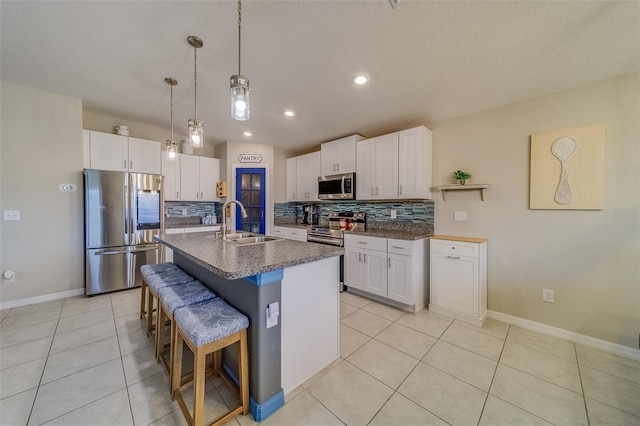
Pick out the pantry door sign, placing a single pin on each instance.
(250, 157)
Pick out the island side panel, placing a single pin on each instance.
(263, 344)
(310, 320)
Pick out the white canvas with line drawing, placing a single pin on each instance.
(567, 169)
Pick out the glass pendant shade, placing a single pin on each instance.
(172, 149)
(240, 109)
(172, 145)
(196, 133)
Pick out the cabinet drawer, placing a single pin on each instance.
(399, 246)
(371, 243)
(455, 247)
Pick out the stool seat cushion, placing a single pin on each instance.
(209, 321)
(168, 278)
(157, 268)
(178, 296)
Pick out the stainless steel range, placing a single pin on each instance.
(339, 222)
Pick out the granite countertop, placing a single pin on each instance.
(394, 230)
(232, 261)
(393, 234)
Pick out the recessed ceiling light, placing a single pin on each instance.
(289, 113)
(247, 133)
(360, 79)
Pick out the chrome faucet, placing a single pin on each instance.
(224, 215)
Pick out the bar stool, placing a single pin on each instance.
(206, 328)
(147, 270)
(157, 281)
(172, 298)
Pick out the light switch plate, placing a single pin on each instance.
(394, 214)
(11, 214)
(460, 216)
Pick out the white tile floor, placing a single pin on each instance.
(87, 361)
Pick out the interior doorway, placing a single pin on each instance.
(251, 191)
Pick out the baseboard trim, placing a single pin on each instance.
(40, 299)
(592, 342)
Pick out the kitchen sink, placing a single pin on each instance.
(239, 235)
(254, 240)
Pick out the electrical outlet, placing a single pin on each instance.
(460, 215)
(11, 214)
(394, 215)
(548, 295)
(184, 212)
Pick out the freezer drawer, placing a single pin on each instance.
(117, 268)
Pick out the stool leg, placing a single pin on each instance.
(198, 394)
(176, 364)
(143, 296)
(171, 354)
(150, 313)
(243, 373)
(159, 331)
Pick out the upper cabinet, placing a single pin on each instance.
(339, 156)
(395, 166)
(106, 151)
(198, 178)
(190, 178)
(302, 177)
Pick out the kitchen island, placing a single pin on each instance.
(302, 278)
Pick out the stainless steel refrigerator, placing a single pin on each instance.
(122, 213)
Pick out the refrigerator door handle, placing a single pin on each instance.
(144, 249)
(108, 252)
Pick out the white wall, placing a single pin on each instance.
(590, 258)
(41, 148)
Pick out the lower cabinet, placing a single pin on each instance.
(459, 278)
(168, 253)
(389, 268)
(299, 234)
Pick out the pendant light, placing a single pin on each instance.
(196, 131)
(239, 84)
(172, 145)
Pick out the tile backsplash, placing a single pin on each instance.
(174, 209)
(406, 211)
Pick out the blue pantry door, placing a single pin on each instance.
(250, 191)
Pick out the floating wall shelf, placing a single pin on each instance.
(468, 187)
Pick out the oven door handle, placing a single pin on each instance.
(323, 240)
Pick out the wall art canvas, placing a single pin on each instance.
(567, 169)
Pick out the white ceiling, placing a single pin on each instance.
(428, 60)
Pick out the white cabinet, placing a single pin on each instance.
(106, 151)
(459, 278)
(395, 166)
(302, 177)
(198, 178)
(171, 173)
(168, 253)
(400, 275)
(298, 234)
(339, 156)
(377, 168)
(394, 270)
(292, 170)
(414, 163)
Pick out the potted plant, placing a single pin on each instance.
(461, 176)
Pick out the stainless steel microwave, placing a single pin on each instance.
(337, 187)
